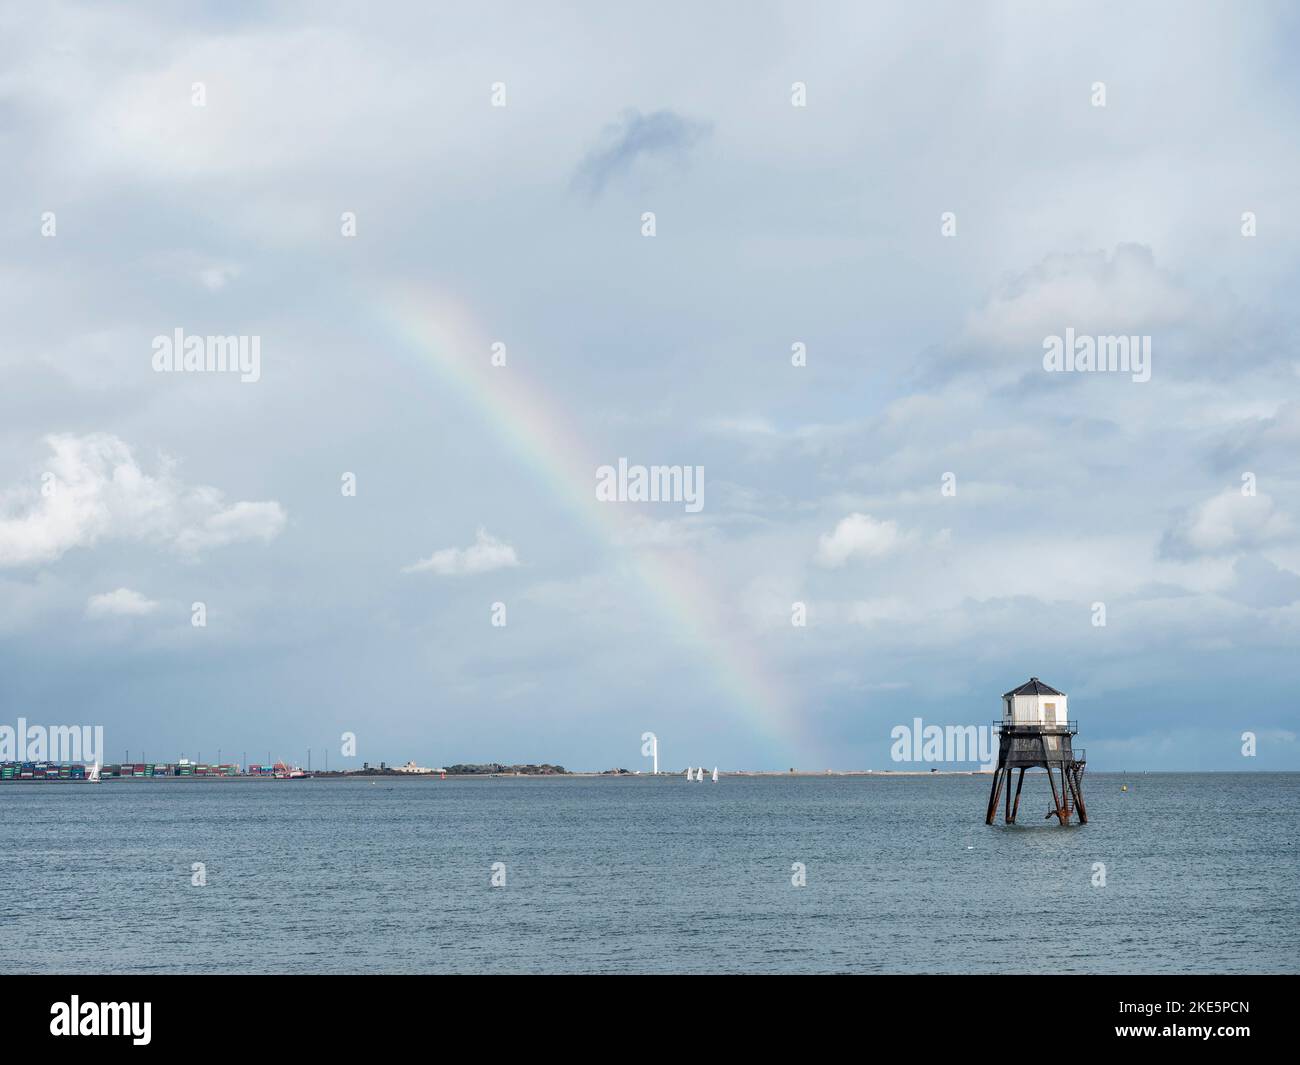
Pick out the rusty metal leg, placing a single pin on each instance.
(1020, 783)
(993, 795)
(1056, 802)
(1067, 785)
(1078, 795)
(1006, 812)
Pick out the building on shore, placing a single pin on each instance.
(411, 767)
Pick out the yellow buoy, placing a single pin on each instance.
(1123, 787)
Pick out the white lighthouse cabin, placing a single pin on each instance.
(1035, 704)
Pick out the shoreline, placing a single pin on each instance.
(743, 773)
(575, 775)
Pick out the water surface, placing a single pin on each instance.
(649, 875)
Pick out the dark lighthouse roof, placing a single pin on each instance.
(1033, 686)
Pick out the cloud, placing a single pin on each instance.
(1224, 524)
(216, 277)
(890, 610)
(1261, 583)
(663, 136)
(1124, 292)
(1066, 484)
(231, 525)
(121, 603)
(486, 554)
(1269, 440)
(639, 531)
(741, 427)
(93, 489)
(857, 536)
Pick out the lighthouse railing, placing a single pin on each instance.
(1011, 725)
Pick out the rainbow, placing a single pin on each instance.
(437, 336)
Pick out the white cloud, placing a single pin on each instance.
(231, 525)
(1094, 292)
(92, 489)
(122, 603)
(1226, 523)
(216, 277)
(857, 536)
(486, 554)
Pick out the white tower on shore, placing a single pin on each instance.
(650, 748)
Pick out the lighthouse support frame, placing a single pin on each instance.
(1049, 747)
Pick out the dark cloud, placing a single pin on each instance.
(1261, 583)
(632, 141)
(1271, 443)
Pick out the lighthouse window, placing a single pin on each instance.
(1050, 712)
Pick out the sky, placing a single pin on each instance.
(868, 221)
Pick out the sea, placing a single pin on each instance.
(1174, 873)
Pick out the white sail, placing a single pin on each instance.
(92, 774)
(715, 774)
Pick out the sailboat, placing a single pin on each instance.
(689, 773)
(715, 774)
(92, 775)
